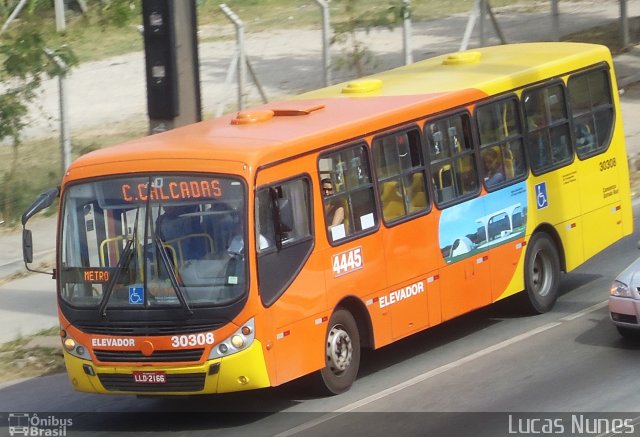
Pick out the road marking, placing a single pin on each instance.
(435, 372)
(585, 311)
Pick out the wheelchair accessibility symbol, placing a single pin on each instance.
(136, 295)
(542, 200)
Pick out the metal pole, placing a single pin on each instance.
(624, 28)
(59, 10)
(406, 32)
(496, 26)
(13, 15)
(470, 24)
(242, 63)
(326, 43)
(256, 81)
(483, 12)
(231, 71)
(65, 140)
(555, 20)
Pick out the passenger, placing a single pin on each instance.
(493, 172)
(334, 212)
(181, 228)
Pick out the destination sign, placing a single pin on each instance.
(173, 190)
(180, 189)
(91, 275)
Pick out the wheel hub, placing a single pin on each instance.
(339, 350)
(540, 275)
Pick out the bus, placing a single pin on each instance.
(277, 242)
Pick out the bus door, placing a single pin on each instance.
(555, 189)
(504, 172)
(408, 236)
(466, 275)
(601, 158)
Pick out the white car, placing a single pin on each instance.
(624, 301)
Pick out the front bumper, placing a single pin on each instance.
(624, 311)
(245, 370)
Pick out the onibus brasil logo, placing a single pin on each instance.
(33, 425)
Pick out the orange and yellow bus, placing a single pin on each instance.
(249, 250)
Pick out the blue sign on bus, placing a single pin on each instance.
(136, 295)
(542, 201)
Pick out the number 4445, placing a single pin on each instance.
(347, 262)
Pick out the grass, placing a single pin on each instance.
(24, 358)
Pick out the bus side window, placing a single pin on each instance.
(501, 146)
(348, 199)
(400, 169)
(548, 137)
(592, 111)
(453, 170)
(284, 238)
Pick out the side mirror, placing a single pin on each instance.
(43, 201)
(27, 246)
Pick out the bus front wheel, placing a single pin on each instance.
(341, 353)
(542, 273)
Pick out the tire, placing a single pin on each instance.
(341, 353)
(629, 333)
(541, 273)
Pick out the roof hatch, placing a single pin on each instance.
(462, 58)
(286, 109)
(361, 86)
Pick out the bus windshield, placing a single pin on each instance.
(153, 241)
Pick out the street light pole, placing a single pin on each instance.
(65, 140)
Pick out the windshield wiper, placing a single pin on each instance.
(173, 277)
(125, 258)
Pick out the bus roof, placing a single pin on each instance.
(275, 131)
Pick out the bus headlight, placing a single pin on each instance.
(239, 340)
(620, 290)
(73, 347)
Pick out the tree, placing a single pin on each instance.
(24, 65)
(359, 17)
(26, 60)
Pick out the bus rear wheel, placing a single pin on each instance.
(341, 353)
(541, 273)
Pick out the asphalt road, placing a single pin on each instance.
(464, 377)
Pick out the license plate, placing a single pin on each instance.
(149, 377)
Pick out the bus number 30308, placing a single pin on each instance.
(192, 340)
(607, 164)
